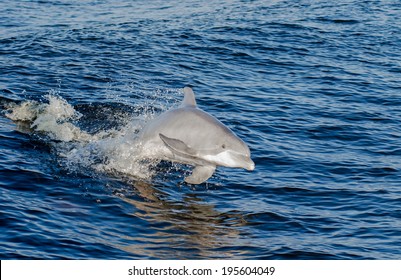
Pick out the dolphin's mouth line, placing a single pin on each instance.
(231, 159)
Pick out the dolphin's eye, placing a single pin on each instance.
(223, 146)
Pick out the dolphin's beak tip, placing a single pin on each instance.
(251, 166)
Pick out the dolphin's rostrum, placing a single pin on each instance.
(191, 136)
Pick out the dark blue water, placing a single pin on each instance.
(313, 87)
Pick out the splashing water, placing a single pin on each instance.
(112, 151)
(54, 118)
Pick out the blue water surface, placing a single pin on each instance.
(313, 87)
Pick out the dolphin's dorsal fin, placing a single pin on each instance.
(189, 98)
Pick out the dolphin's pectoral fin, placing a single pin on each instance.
(200, 174)
(177, 146)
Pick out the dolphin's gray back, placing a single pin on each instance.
(177, 123)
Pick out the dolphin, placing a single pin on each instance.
(191, 136)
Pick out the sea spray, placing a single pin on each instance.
(55, 118)
(113, 150)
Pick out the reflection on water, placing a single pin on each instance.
(188, 227)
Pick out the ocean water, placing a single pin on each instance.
(313, 87)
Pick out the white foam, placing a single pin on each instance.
(112, 151)
(26, 111)
(53, 118)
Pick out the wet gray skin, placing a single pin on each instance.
(191, 136)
